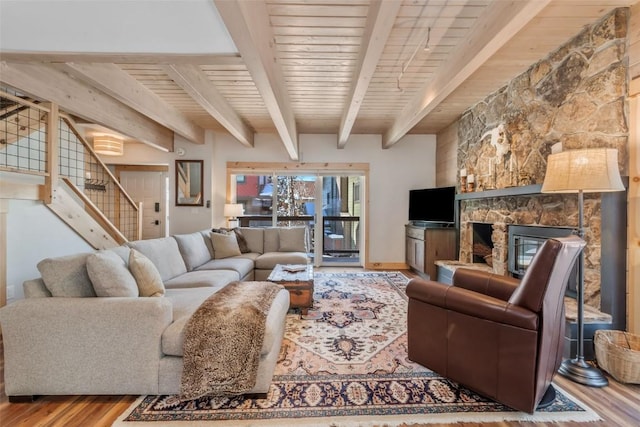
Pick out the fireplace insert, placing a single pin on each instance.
(524, 242)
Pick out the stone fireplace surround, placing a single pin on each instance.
(575, 96)
(605, 266)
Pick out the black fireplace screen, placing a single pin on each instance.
(524, 243)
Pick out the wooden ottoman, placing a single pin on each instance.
(298, 280)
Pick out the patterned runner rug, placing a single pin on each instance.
(345, 364)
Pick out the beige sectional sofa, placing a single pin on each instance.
(68, 337)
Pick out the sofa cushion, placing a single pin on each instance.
(271, 239)
(35, 288)
(202, 278)
(292, 239)
(164, 254)
(122, 252)
(225, 245)
(110, 276)
(184, 303)
(67, 276)
(146, 274)
(254, 238)
(270, 259)
(193, 249)
(206, 235)
(243, 265)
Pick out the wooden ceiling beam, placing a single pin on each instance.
(119, 84)
(498, 24)
(380, 19)
(249, 26)
(195, 82)
(76, 97)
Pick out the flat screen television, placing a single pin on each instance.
(432, 205)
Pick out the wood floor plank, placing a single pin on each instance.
(617, 404)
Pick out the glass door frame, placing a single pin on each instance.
(321, 220)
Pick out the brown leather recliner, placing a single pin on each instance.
(496, 335)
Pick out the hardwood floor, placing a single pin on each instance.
(618, 405)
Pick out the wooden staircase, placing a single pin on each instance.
(37, 139)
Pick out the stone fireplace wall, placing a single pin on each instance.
(577, 97)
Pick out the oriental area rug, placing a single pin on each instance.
(345, 364)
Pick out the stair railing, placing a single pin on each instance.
(84, 169)
(37, 139)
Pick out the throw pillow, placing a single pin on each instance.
(220, 230)
(293, 239)
(255, 238)
(67, 276)
(225, 245)
(193, 249)
(242, 241)
(146, 274)
(110, 275)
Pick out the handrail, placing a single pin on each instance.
(246, 218)
(25, 102)
(96, 212)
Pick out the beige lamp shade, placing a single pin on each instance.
(108, 145)
(590, 170)
(233, 210)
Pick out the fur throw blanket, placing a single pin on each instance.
(223, 340)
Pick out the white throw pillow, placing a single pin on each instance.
(225, 245)
(146, 274)
(110, 275)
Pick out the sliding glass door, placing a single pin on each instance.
(329, 205)
(340, 217)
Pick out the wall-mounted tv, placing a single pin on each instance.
(432, 205)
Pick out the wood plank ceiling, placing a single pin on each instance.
(343, 67)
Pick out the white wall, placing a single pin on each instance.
(177, 26)
(182, 219)
(393, 172)
(35, 233)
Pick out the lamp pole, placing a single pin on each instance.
(591, 170)
(577, 369)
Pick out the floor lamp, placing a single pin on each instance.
(582, 171)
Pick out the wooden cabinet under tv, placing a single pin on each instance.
(425, 245)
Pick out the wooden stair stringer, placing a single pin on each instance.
(76, 217)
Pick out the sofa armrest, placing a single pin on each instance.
(494, 285)
(83, 345)
(471, 303)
